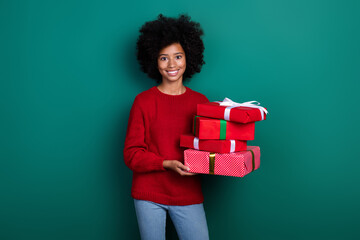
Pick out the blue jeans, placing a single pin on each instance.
(189, 220)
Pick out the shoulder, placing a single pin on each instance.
(198, 96)
(145, 96)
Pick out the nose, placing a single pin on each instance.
(171, 63)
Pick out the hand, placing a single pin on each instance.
(178, 167)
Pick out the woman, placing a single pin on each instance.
(169, 50)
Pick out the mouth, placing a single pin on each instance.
(173, 73)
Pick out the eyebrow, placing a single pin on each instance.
(174, 54)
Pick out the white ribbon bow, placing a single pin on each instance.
(231, 104)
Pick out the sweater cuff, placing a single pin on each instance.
(158, 164)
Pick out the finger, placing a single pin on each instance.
(185, 173)
(189, 174)
(183, 167)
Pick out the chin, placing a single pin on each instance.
(173, 80)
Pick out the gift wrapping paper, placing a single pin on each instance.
(237, 164)
(217, 146)
(233, 114)
(210, 128)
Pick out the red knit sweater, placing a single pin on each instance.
(155, 124)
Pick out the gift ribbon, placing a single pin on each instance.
(232, 146)
(253, 160)
(231, 104)
(211, 163)
(195, 124)
(196, 143)
(222, 129)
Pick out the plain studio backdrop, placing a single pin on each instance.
(69, 75)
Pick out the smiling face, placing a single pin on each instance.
(172, 62)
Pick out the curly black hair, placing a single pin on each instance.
(164, 31)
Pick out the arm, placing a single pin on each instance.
(177, 166)
(136, 154)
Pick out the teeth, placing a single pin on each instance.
(172, 71)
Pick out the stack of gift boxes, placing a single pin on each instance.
(219, 142)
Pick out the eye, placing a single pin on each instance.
(178, 57)
(162, 58)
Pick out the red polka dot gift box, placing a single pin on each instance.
(237, 164)
(211, 128)
(232, 111)
(218, 146)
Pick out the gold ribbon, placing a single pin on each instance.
(211, 163)
(252, 159)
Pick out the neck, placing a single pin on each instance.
(172, 88)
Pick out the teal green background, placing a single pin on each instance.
(68, 79)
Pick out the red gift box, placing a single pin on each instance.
(218, 146)
(210, 128)
(236, 164)
(241, 114)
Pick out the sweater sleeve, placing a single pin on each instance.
(136, 154)
(205, 99)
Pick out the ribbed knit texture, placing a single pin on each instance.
(155, 124)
